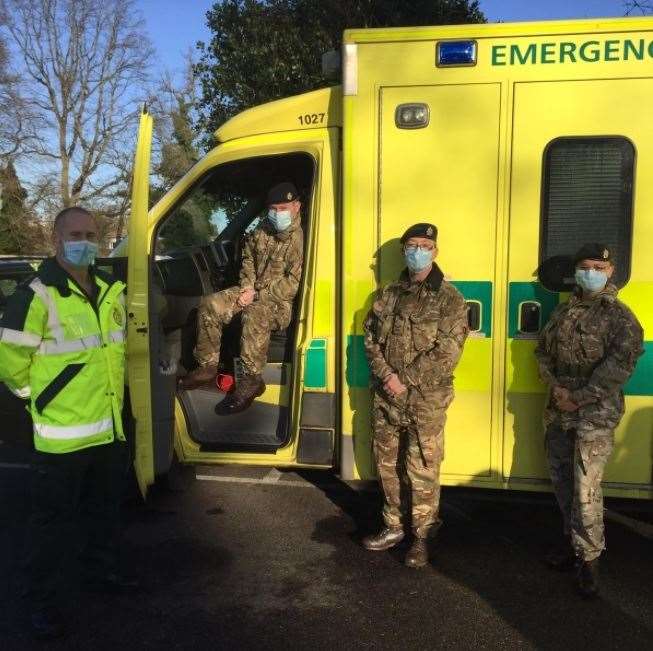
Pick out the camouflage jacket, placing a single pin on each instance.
(272, 262)
(590, 347)
(416, 330)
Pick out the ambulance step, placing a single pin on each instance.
(261, 428)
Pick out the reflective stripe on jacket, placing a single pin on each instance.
(67, 357)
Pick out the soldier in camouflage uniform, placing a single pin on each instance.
(414, 336)
(586, 353)
(270, 274)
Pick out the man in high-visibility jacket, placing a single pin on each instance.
(62, 347)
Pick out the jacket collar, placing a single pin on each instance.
(51, 273)
(607, 295)
(433, 280)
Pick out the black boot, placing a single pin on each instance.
(249, 387)
(418, 555)
(562, 558)
(587, 579)
(383, 540)
(47, 624)
(112, 584)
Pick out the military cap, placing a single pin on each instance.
(429, 231)
(593, 251)
(282, 193)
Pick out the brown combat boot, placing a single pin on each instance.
(418, 554)
(249, 387)
(587, 579)
(198, 377)
(386, 538)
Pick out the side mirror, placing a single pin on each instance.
(331, 65)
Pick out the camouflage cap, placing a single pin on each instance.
(593, 251)
(429, 231)
(282, 193)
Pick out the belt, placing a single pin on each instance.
(575, 370)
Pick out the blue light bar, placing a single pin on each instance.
(456, 53)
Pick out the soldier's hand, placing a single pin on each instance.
(393, 385)
(567, 405)
(560, 394)
(246, 297)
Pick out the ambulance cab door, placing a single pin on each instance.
(293, 421)
(138, 349)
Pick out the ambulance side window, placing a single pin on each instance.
(587, 196)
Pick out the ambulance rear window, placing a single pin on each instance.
(587, 194)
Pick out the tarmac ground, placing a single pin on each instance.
(249, 558)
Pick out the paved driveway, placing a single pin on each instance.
(259, 559)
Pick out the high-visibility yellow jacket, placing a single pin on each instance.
(67, 356)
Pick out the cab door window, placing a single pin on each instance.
(197, 253)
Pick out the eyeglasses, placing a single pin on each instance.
(412, 248)
(599, 266)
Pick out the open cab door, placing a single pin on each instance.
(138, 349)
(197, 232)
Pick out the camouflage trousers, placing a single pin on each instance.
(408, 444)
(259, 320)
(576, 464)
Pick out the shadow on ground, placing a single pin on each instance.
(487, 564)
(259, 566)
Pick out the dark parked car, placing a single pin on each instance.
(16, 424)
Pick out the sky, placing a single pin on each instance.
(176, 25)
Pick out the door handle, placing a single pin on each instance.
(529, 321)
(473, 315)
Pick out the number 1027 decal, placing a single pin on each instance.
(311, 118)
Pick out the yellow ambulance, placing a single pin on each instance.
(520, 141)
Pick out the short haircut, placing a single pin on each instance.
(71, 210)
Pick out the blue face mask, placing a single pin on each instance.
(417, 259)
(280, 219)
(591, 280)
(80, 253)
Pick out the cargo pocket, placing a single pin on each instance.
(430, 415)
(275, 267)
(591, 341)
(56, 386)
(601, 449)
(431, 448)
(425, 330)
(594, 454)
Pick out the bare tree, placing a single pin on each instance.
(6, 83)
(17, 124)
(85, 64)
(638, 7)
